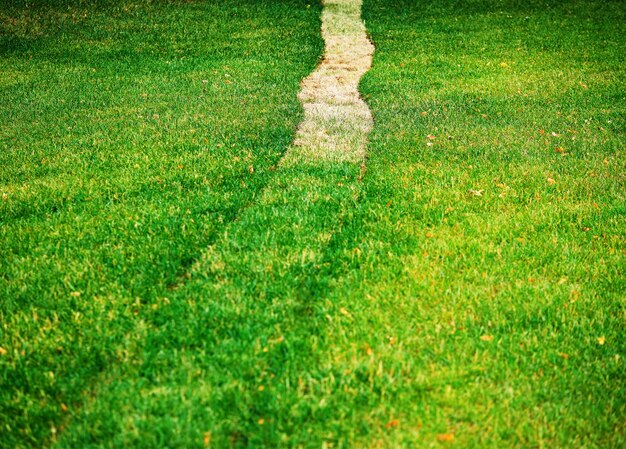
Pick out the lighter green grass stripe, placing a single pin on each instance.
(336, 121)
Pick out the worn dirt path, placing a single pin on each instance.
(337, 121)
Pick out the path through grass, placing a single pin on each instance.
(225, 360)
(466, 290)
(336, 120)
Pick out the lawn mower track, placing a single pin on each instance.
(294, 219)
(336, 121)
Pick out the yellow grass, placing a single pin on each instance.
(337, 121)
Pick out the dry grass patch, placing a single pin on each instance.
(337, 121)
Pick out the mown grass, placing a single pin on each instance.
(453, 296)
(466, 293)
(131, 133)
(486, 290)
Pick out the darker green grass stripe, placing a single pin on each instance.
(231, 351)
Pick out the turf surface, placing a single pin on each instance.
(131, 133)
(465, 290)
(486, 292)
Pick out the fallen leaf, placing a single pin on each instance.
(64, 407)
(431, 137)
(261, 388)
(559, 150)
(251, 169)
(486, 337)
(551, 181)
(445, 437)
(207, 439)
(75, 294)
(2, 351)
(392, 423)
(504, 64)
(368, 350)
(344, 312)
(601, 340)
(564, 355)
(474, 192)
(261, 421)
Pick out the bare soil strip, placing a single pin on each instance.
(337, 121)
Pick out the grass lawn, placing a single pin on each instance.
(486, 289)
(131, 133)
(165, 283)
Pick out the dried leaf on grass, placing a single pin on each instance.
(445, 437)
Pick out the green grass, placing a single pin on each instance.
(470, 289)
(127, 130)
(485, 315)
